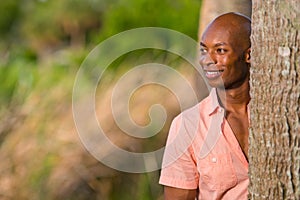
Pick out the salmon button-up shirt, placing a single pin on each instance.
(203, 153)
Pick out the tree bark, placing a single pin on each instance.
(274, 156)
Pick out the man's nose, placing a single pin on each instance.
(207, 59)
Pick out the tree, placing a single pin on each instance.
(274, 154)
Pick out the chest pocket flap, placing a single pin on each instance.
(217, 172)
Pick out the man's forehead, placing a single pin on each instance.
(233, 34)
(217, 36)
(230, 22)
(222, 27)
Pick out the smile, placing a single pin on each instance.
(213, 74)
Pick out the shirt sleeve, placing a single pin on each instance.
(179, 167)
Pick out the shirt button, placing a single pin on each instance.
(220, 110)
(214, 160)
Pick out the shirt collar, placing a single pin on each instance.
(215, 105)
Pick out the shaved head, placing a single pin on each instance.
(238, 26)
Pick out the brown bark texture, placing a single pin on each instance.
(275, 88)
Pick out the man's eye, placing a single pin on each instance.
(221, 50)
(203, 50)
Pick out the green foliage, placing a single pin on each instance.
(47, 25)
(38, 177)
(180, 15)
(10, 13)
(17, 81)
(56, 23)
(44, 43)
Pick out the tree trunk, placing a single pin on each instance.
(274, 155)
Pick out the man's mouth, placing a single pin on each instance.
(213, 74)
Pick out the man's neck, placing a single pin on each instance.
(235, 100)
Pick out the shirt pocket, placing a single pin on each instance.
(217, 172)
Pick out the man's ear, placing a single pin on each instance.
(248, 55)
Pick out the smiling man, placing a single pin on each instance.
(206, 155)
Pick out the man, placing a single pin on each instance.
(206, 155)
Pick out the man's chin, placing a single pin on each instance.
(216, 85)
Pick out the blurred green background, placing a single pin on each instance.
(43, 43)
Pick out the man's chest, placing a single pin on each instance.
(239, 126)
(225, 165)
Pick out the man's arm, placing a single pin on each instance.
(171, 193)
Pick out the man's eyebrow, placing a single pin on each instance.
(216, 45)
(202, 44)
(220, 44)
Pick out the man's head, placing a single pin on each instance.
(225, 50)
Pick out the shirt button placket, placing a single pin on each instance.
(214, 160)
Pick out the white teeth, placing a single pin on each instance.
(213, 73)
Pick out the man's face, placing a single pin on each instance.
(223, 57)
